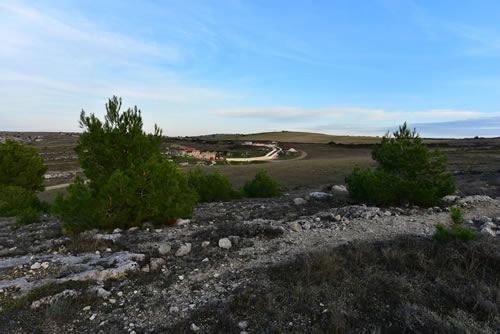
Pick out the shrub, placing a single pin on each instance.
(129, 182)
(14, 199)
(444, 234)
(457, 231)
(211, 187)
(407, 172)
(262, 185)
(21, 166)
(21, 176)
(457, 215)
(28, 215)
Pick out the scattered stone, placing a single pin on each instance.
(117, 230)
(338, 218)
(53, 299)
(450, 199)
(339, 191)
(483, 219)
(205, 244)
(133, 229)
(86, 308)
(225, 243)
(100, 291)
(164, 249)
(299, 201)
(182, 222)
(488, 230)
(295, 226)
(174, 309)
(183, 250)
(194, 328)
(243, 324)
(318, 195)
(35, 266)
(45, 265)
(92, 317)
(157, 263)
(474, 199)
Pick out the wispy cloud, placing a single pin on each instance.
(38, 29)
(482, 42)
(65, 62)
(364, 114)
(466, 128)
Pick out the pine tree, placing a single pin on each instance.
(406, 172)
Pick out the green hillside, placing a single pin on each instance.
(305, 137)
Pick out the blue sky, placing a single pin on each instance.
(199, 67)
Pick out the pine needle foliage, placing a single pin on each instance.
(407, 172)
(128, 181)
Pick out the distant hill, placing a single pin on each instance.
(305, 137)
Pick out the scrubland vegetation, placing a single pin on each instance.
(403, 284)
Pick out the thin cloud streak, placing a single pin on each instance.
(346, 112)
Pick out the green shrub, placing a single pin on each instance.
(262, 185)
(21, 166)
(407, 172)
(28, 215)
(457, 231)
(14, 199)
(129, 182)
(444, 234)
(457, 215)
(211, 187)
(17, 201)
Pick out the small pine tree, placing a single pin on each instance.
(128, 181)
(406, 172)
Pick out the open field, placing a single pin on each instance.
(474, 162)
(305, 137)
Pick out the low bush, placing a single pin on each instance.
(154, 192)
(407, 172)
(457, 231)
(262, 185)
(14, 199)
(445, 234)
(19, 202)
(21, 176)
(211, 187)
(21, 166)
(28, 215)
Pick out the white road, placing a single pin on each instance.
(269, 156)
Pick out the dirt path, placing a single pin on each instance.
(303, 155)
(57, 186)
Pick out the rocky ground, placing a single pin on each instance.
(153, 280)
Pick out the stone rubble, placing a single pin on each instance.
(136, 276)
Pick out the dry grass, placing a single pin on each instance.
(292, 175)
(395, 286)
(306, 137)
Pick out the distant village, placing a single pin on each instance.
(177, 150)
